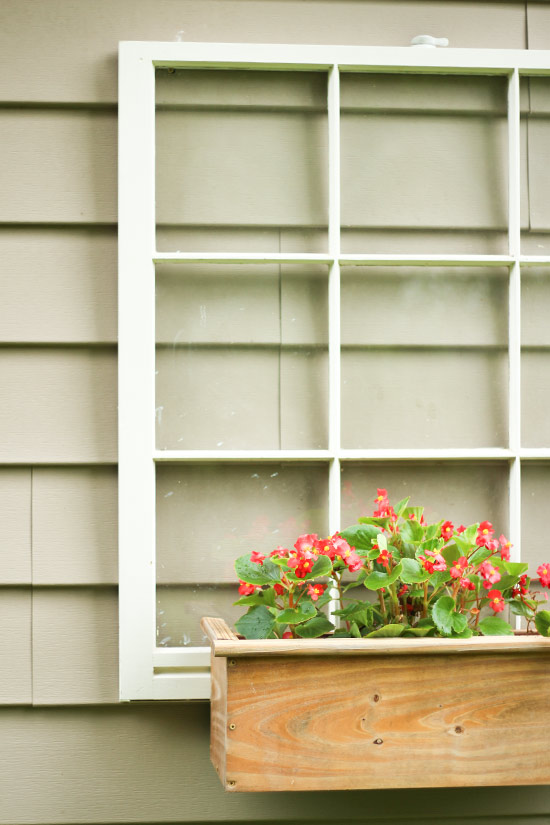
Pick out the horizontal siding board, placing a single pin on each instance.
(15, 647)
(59, 405)
(538, 25)
(15, 526)
(74, 525)
(148, 764)
(75, 646)
(58, 285)
(58, 165)
(88, 74)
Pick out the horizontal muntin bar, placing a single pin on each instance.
(162, 456)
(442, 454)
(426, 260)
(348, 58)
(534, 260)
(344, 260)
(181, 657)
(240, 258)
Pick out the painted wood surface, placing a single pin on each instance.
(475, 714)
(29, 29)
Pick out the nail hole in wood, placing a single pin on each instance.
(378, 741)
(376, 697)
(232, 662)
(458, 729)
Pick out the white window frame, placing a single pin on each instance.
(140, 658)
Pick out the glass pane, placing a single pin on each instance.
(424, 357)
(210, 514)
(463, 492)
(535, 359)
(535, 494)
(424, 163)
(241, 160)
(535, 134)
(241, 356)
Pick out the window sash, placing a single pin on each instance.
(140, 659)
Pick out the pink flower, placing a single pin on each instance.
(315, 590)
(505, 546)
(279, 551)
(460, 529)
(543, 572)
(489, 572)
(436, 562)
(466, 584)
(306, 543)
(256, 557)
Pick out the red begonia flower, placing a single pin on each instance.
(484, 533)
(246, 589)
(315, 590)
(497, 602)
(447, 530)
(505, 546)
(489, 572)
(256, 557)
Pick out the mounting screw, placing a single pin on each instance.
(232, 783)
(378, 741)
(170, 70)
(232, 726)
(232, 662)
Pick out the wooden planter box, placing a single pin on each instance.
(338, 714)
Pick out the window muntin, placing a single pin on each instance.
(149, 671)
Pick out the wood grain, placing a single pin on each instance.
(225, 643)
(414, 720)
(387, 722)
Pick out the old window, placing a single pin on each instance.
(322, 274)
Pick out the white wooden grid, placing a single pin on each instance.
(144, 668)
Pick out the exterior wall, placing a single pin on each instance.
(70, 753)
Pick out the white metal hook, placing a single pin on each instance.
(429, 42)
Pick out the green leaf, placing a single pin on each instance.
(322, 567)
(413, 572)
(400, 506)
(252, 573)
(495, 626)
(314, 628)
(266, 597)
(480, 555)
(360, 536)
(418, 631)
(388, 631)
(354, 630)
(518, 608)
(464, 545)
(381, 541)
(256, 624)
(376, 579)
(439, 577)
(460, 622)
(442, 614)
(297, 615)
(470, 533)
(451, 553)
(467, 633)
(412, 531)
(515, 568)
(542, 622)
(378, 522)
(433, 530)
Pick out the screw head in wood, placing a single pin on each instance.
(378, 741)
(232, 726)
